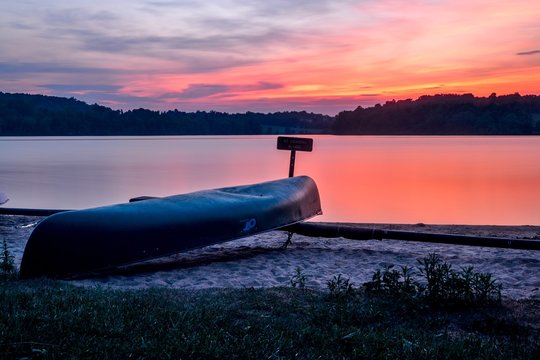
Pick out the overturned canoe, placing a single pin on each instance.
(98, 240)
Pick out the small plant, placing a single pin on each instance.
(409, 285)
(340, 287)
(487, 289)
(7, 266)
(436, 273)
(446, 286)
(394, 282)
(390, 279)
(298, 279)
(441, 285)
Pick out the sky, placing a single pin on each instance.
(321, 56)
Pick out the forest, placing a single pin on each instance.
(446, 114)
(39, 115)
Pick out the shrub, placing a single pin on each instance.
(440, 285)
(449, 287)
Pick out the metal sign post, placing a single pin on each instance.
(294, 144)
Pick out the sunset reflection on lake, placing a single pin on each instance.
(462, 180)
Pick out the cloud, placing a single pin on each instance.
(261, 85)
(268, 9)
(38, 67)
(532, 52)
(69, 88)
(197, 91)
(171, 4)
(77, 18)
(297, 7)
(190, 53)
(103, 94)
(198, 54)
(223, 43)
(323, 105)
(196, 36)
(22, 26)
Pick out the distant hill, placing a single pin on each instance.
(40, 115)
(445, 115)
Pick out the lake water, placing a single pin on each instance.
(444, 180)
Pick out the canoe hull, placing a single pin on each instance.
(101, 239)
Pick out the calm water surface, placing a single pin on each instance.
(465, 180)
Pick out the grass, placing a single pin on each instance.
(7, 265)
(44, 319)
(435, 313)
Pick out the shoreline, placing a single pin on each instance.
(258, 261)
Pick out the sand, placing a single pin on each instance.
(258, 261)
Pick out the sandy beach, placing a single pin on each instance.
(259, 261)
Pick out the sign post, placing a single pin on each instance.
(294, 144)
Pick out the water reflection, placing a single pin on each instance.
(473, 180)
(433, 180)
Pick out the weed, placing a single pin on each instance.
(393, 282)
(409, 285)
(298, 279)
(340, 287)
(441, 285)
(7, 266)
(486, 288)
(448, 287)
(436, 273)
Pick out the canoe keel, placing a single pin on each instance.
(98, 240)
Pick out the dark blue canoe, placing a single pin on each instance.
(99, 240)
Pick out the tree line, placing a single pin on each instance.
(448, 114)
(445, 115)
(39, 115)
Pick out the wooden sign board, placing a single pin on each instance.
(294, 143)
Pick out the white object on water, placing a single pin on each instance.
(3, 198)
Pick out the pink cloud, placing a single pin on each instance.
(316, 55)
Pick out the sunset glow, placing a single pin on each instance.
(238, 55)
